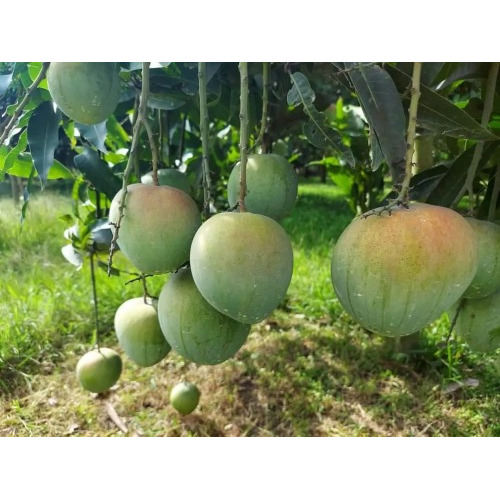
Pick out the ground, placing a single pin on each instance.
(308, 370)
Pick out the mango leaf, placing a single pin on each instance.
(165, 101)
(430, 70)
(23, 166)
(117, 137)
(384, 111)
(375, 151)
(26, 194)
(59, 171)
(484, 208)
(438, 114)
(452, 182)
(9, 157)
(317, 130)
(4, 151)
(104, 266)
(34, 69)
(95, 134)
(72, 255)
(423, 183)
(43, 138)
(453, 71)
(97, 172)
(4, 83)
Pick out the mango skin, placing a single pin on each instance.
(138, 331)
(193, 327)
(99, 369)
(184, 397)
(478, 323)
(242, 264)
(272, 186)
(487, 278)
(157, 228)
(394, 274)
(87, 92)
(169, 177)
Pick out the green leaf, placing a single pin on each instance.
(69, 129)
(104, 267)
(26, 195)
(438, 114)
(97, 172)
(165, 101)
(95, 134)
(23, 166)
(12, 155)
(451, 183)
(34, 69)
(43, 138)
(317, 130)
(4, 83)
(384, 111)
(117, 137)
(4, 151)
(59, 171)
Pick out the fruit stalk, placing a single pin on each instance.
(94, 295)
(22, 104)
(202, 82)
(243, 66)
(265, 103)
(403, 197)
(141, 120)
(147, 126)
(478, 152)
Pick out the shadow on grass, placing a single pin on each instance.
(316, 382)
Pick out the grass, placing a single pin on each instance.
(307, 370)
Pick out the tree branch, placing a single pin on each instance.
(22, 104)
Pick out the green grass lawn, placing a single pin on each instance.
(308, 370)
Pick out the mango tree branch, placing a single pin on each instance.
(243, 66)
(141, 119)
(478, 152)
(17, 113)
(202, 83)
